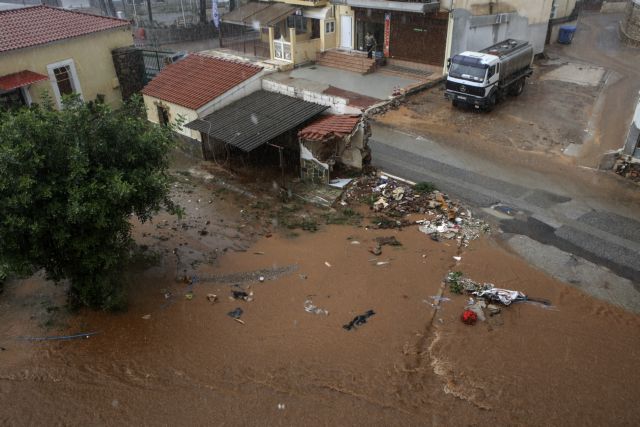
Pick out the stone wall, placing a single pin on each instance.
(630, 24)
(129, 65)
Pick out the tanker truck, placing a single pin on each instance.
(481, 79)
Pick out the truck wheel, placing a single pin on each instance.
(455, 103)
(492, 102)
(518, 87)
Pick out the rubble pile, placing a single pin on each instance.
(393, 200)
(627, 168)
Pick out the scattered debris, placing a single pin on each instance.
(236, 314)
(327, 264)
(355, 242)
(281, 406)
(379, 263)
(146, 317)
(359, 320)
(212, 298)
(625, 166)
(309, 307)
(241, 295)
(469, 317)
(477, 307)
(60, 337)
(493, 309)
(376, 251)
(390, 241)
(437, 301)
(457, 258)
(458, 284)
(189, 295)
(261, 279)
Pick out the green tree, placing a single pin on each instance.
(70, 181)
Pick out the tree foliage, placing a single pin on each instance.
(69, 182)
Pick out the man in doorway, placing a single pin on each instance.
(370, 44)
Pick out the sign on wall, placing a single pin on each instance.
(387, 33)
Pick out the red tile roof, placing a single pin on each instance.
(36, 25)
(329, 126)
(198, 79)
(20, 79)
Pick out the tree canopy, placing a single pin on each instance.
(70, 180)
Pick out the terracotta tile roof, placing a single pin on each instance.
(36, 25)
(20, 79)
(329, 126)
(198, 79)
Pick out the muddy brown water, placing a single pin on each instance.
(175, 361)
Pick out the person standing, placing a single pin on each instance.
(369, 43)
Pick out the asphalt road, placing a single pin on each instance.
(523, 203)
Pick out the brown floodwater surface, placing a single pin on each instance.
(178, 361)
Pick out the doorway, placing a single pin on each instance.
(346, 32)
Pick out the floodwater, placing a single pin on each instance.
(172, 360)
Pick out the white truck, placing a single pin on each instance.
(481, 79)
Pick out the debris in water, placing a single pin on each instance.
(236, 314)
(309, 307)
(327, 264)
(189, 295)
(212, 298)
(469, 317)
(236, 295)
(146, 317)
(457, 258)
(281, 406)
(359, 320)
(60, 337)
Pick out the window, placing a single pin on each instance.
(163, 116)
(64, 79)
(298, 22)
(492, 71)
(329, 26)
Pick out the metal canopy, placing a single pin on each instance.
(256, 119)
(399, 6)
(259, 15)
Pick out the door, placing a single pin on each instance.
(345, 32)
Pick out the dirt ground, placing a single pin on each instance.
(176, 358)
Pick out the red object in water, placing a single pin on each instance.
(469, 317)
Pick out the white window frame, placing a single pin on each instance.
(331, 23)
(75, 83)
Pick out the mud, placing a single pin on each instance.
(174, 360)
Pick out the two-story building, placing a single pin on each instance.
(46, 49)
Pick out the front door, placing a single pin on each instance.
(345, 32)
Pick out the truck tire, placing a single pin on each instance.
(455, 103)
(493, 99)
(517, 88)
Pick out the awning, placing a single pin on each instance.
(259, 15)
(256, 119)
(20, 79)
(398, 6)
(316, 12)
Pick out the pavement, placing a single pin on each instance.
(375, 85)
(565, 228)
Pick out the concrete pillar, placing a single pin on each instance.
(292, 40)
(271, 48)
(322, 28)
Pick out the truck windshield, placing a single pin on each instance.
(467, 72)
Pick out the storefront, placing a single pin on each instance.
(414, 32)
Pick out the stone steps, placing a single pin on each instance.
(354, 62)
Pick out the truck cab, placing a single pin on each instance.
(472, 76)
(482, 78)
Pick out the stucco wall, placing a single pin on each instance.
(175, 111)
(536, 11)
(475, 32)
(92, 58)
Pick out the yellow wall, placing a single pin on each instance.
(537, 11)
(175, 111)
(305, 51)
(92, 57)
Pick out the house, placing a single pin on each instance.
(55, 51)
(289, 31)
(197, 86)
(330, 140)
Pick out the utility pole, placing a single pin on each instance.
(149, 9)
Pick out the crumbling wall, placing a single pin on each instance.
(630, 24)
(312, 169)
(337, 104)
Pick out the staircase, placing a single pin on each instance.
(349, 61)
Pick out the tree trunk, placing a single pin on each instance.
(149, 9)
(203, 11)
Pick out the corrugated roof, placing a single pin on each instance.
(259, 15)
(256, 119)
(20, 79)
(198, 79)
(328, 126)
(31, 26)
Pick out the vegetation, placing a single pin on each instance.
(69, 182)
(424, 187)
(453, 279)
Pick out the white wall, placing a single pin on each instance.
(337, 104)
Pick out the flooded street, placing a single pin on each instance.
(175, 357)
